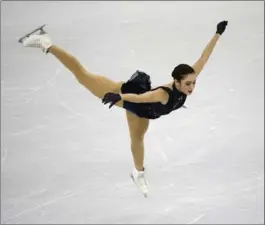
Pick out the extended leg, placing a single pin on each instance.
(96, 84)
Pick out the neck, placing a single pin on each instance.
(177, 87)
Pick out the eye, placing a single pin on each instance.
(189, 83)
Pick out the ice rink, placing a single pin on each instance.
(65, 157)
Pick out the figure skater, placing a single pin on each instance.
(141, 102)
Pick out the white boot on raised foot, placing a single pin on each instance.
(139, 180)
(41, 41)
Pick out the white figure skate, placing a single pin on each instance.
(139, 180)
(37, 38)
(38, 29)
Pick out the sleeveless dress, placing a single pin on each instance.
(140, 83)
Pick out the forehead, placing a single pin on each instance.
(190, 78)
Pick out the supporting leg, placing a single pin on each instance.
(137, 127)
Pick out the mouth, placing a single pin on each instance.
(189, 92)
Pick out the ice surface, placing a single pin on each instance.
(65, 157)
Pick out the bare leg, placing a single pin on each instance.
(137, 127)
(99, 86)
(96, 84)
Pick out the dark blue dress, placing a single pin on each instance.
(140, 83)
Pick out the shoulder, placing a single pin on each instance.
(163, 92)
(169, 85)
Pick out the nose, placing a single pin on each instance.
(191, 88)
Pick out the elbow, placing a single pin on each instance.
(140, 99)
(204, 57)
(147, 100)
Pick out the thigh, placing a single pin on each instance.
(100, 85)
(137, 126)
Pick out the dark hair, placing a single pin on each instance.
(181, 71)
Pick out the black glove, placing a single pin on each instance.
(221, 27)
(111, 97)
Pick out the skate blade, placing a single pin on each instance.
(40, 29)
(145, 194)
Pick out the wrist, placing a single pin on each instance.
(218, 34)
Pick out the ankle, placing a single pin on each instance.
(139, 168)
(51, 48)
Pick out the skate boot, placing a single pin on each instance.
(41, 41)
(139, 180)
(37, 38)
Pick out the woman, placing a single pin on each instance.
(136, 96)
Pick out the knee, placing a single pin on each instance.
(137, 139)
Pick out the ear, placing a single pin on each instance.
(176, 82)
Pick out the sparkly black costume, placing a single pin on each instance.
(140, 83)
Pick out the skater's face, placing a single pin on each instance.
(186, 85)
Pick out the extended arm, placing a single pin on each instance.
(198, 66)
(158, 95)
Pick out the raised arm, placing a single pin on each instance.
(199, 65)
